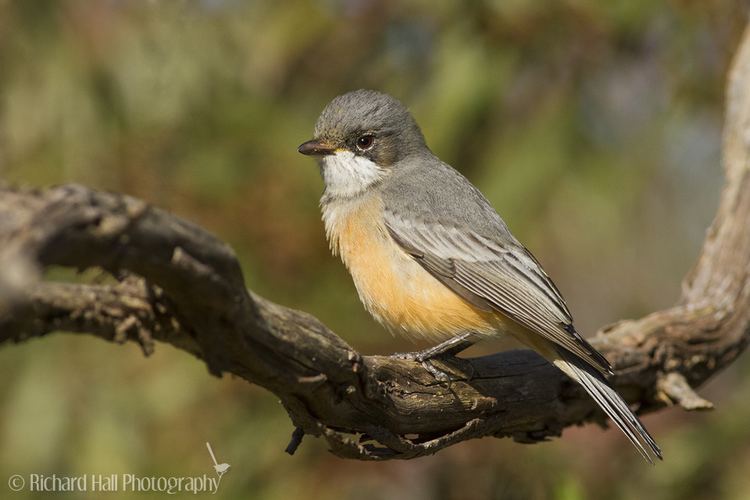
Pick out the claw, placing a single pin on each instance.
(445, 351)
(407, 356)
(439, 375)
(425, 359)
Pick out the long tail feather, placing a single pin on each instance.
(610, 401)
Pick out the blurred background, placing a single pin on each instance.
(593, 127)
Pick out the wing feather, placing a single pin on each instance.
(494, 273)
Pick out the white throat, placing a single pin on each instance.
(346, 175)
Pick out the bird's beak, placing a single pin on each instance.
(316, 147)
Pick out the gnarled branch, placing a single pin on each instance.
(178, 284)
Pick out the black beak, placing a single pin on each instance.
(315, 147)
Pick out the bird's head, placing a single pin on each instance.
(359, 137)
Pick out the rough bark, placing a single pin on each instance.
(178, 284)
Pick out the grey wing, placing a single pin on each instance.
(496, 274)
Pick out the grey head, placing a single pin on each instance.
(359, 137)
(367, 123)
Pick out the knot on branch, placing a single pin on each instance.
(674, 388)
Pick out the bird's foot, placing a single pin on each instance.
(409, 356)
(427, 357)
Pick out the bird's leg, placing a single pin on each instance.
(446, 349)
(450, 347)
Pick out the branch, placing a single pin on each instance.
(175, 283)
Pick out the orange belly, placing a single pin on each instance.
(393, 287)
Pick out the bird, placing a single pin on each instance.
(432, 259)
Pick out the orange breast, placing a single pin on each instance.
(393, 287)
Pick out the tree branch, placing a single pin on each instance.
(180, 285)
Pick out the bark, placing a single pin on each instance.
(176, 283)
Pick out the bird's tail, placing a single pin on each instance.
(608, 400)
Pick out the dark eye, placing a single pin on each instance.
(364, 142)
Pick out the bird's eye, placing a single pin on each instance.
(364, 142)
